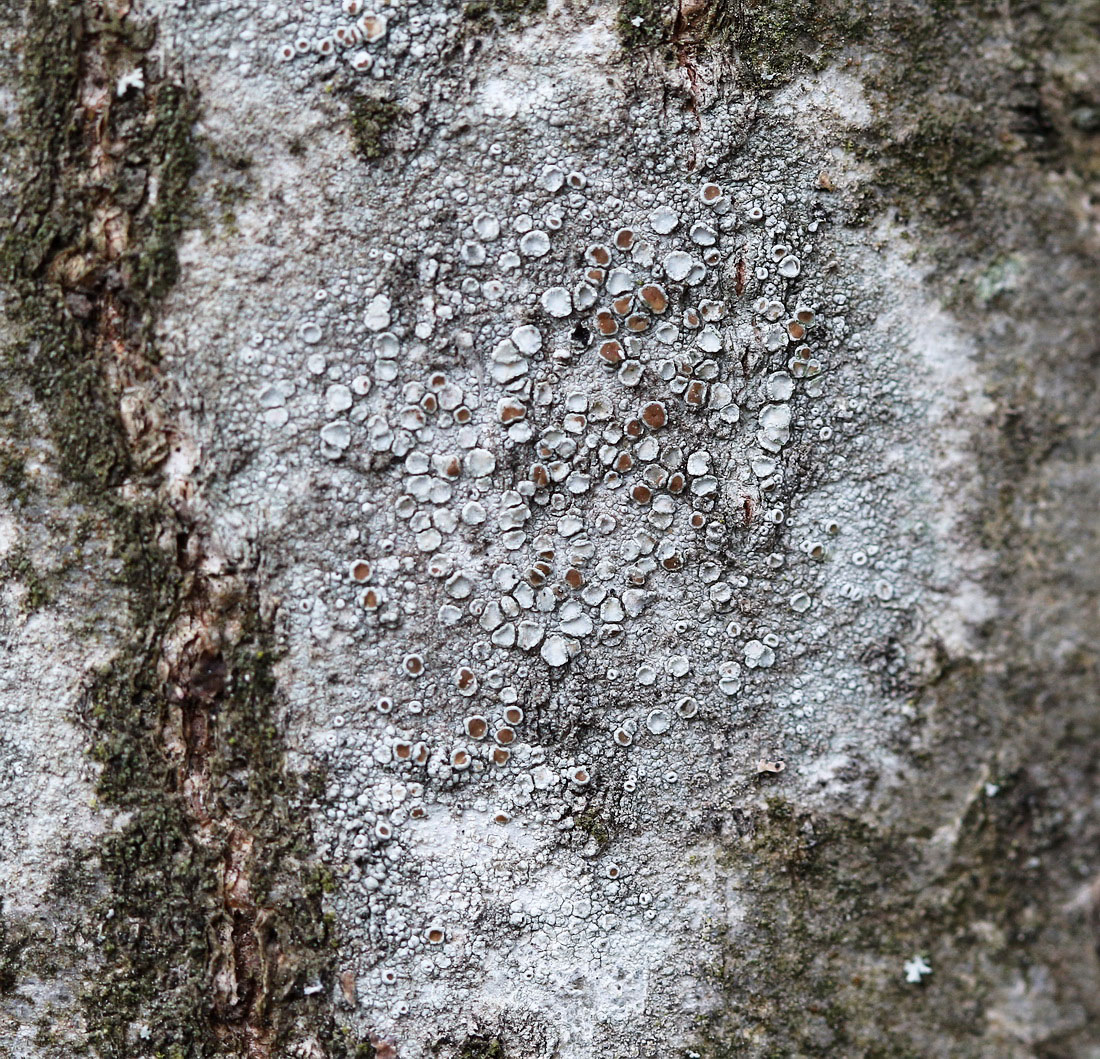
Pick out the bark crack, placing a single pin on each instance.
(213, 921)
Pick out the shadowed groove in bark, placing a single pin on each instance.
(206, 901)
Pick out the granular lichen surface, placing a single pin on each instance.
(616, 445)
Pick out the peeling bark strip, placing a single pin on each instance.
(211, 932)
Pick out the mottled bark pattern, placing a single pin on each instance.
(549, 530)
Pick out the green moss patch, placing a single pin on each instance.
(207, 876)
(834, 905)
(643, 24)
(166, 926)
(766, 42)
(773, 40)
(486, 15)
(371, 118)
(478, 1047)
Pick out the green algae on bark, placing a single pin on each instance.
(205, 896)
(485, 15)
(774, 41)
(371, 117)
(840, 904)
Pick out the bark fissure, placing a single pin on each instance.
(207, 899)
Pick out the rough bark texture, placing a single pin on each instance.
(561, 530)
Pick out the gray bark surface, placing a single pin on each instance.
(549, 531)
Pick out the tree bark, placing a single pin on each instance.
(550, 531)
